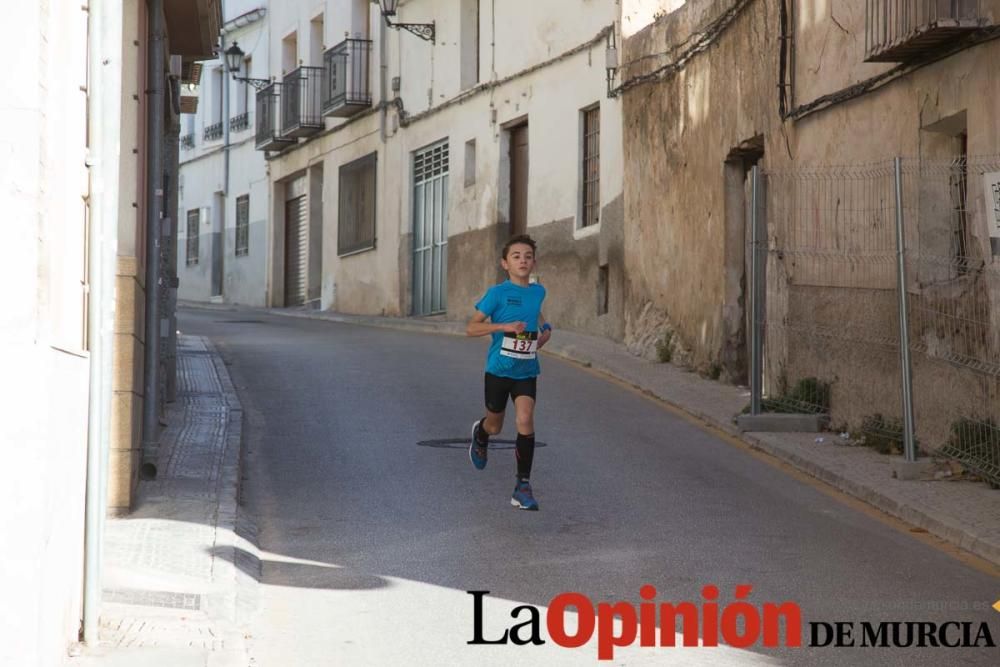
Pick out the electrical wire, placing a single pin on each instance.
(701, 39)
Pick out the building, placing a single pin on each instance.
(56, 176)
(823, 99)
(222, 251)
(400, 160)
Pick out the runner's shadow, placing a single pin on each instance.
(463, 443)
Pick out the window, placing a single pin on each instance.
(356, 224)
(193, 218)
(289, 53)
(316, 41)
(360, 12)
(591, 171)
(944, 221)
(218, 81)
(470, 162)
(213, 120)
(243, 225)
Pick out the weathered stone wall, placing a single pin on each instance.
(679, 133)
(690, 137)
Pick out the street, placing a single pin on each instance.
(371, 536)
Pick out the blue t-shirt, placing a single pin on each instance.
(508, 302)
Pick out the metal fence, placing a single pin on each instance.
(300, 102)
(838, 334)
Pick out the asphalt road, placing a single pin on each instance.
(371, 541)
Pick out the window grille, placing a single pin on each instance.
(591, 166)
(243, 225)
(193, 218)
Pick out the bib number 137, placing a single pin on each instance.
(520, 347)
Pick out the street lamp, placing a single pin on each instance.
(234, 60)
(421, 30)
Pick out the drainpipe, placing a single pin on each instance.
(104, 56)
(154, 214)
(225, 135)
(383, 68)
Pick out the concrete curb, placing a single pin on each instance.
(233, 539)
(920, 516)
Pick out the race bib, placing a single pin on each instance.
(519, 346)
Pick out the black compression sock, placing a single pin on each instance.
(525, 450)
(482, 437)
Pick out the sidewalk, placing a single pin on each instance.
(173, 594)
(966, 514)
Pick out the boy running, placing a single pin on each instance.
(519, 330)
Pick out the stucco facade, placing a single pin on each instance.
(47, 190)
(43, 184)
(222, 177)
(482, 78)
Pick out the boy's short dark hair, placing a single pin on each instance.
(520, 238)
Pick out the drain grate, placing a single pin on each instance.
(463, 443)
(189, 601)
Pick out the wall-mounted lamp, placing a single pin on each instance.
(234, 61)
(611, 61)
(421, 30)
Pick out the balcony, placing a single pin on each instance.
(268, 135)
(346, 89)
(239, 122)
(213, 131)
(300, 102)
(187, 141)
(903, 30)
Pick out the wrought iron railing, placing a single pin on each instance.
(268, 134)
(187, 141)
(900, 30)
(300, 102)
(239, 122)
(213, 131)
(346, 85)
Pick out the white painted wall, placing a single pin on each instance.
(551, 97)
(637, 14)
(43, 395)
(202, 176)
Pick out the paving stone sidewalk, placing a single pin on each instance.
(172, 592)
(964, 513)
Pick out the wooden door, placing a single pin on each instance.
(519, 180)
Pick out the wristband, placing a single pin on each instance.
(546, 327)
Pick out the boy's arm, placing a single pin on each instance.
(478, 326)
(545, 331)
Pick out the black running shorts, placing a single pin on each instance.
(499, 388)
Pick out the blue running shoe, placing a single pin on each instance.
(477, 452)
(523, 498)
